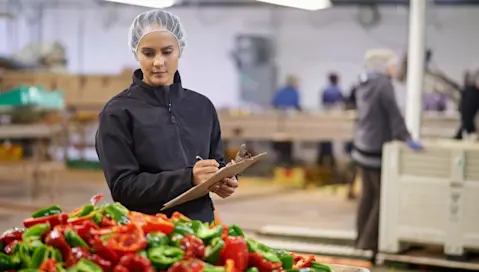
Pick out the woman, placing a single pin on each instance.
(150, 134)
(379, 121)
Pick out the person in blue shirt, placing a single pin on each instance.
(288, 97)
(331, 97)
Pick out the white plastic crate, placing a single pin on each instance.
(430, 197)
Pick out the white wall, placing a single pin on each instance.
(310, 44)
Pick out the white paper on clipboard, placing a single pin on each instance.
(203, 188)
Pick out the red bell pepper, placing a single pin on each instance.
(236, 249)
(193, 247)
(107, 222)
(257, 260)
(225, 232)
(54, 220)
(11, 235)
(104, 264)
(120, 268)
(55, 239)
(151, 223)
(302, 262)
(10, 247)
(48, 265)
(104, 252)
(131, 241)
(193, 265)
(96, 198)
(134, 262)
(230, 266)
(83, 253)
(84, 230)
(177, 216)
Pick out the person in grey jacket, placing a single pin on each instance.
(379, 121)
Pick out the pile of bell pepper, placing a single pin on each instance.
(109, 237)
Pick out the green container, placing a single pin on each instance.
(80, 164)
(32, 96)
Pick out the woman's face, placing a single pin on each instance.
(158, 54)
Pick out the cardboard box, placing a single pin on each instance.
(70, 86)
(11, 80)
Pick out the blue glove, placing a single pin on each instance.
(414, 145)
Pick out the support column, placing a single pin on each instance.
(416, 66)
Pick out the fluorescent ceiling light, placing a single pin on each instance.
(301, 4)
(147, 3)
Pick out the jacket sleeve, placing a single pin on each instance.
(216, 144)
(394, 116)
(128, 185)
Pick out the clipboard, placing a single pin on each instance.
(202, 189)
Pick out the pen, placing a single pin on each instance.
(198, 158)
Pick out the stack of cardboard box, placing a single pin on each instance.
(78, 90)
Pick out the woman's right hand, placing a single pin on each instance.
(203, 170)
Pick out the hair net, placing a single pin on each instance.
(380, 59)
(156, 20)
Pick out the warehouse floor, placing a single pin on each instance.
(256, 204)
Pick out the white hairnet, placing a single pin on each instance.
(380, 59)
(156, 20)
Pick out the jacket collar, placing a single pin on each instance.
(160, 95)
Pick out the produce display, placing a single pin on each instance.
(109, 237)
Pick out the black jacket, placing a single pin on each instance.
(147, 142)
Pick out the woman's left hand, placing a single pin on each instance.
(226, 187)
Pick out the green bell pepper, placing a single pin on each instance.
(8, 262)
(157, 239)
(212, 268)
(212, 251)
(175, 239)
(39, 256)
(85, 265)
(252, 269)
(164, 256)
(235, 230)
(205, 233)
(286, 259)
(22, 251)
(36, 231)
(98, 217)
(117, 213)
(59, 268)
(319, 267)
(42, 253)
(74, 240)
(29, 270)
(34, 242)
(183, 230)
(268, 253)
(86, 210)
(55, 209)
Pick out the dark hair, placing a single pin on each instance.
(333, 79)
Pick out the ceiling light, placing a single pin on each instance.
(146, 3)
(301, 4)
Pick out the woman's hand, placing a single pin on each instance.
(203, 170)
(226, 187)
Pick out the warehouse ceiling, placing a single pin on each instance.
(231, 3)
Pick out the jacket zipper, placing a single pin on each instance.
(173, 120)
